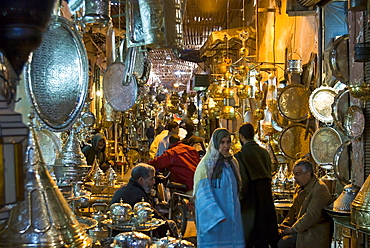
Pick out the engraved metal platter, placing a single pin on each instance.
(119, 95)
(320, 103)
(342, 163)
(293, 102)
(232, 125)
(324, 143)
(340, 107)
(57, 76)
(127, 226)
(354, 122)
(338, 59)
(295, 141)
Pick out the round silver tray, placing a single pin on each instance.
(320, 103)
(127, 226)
(57, 76)
(354, 122)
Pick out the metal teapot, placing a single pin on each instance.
(170, 242)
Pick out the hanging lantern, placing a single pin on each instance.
(12, 134)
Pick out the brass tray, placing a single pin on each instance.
(338, 59)
(342, 163)
(127, 226)
(57, 76)
(354, 122)
(295, 141)
(320, 103)
(340, 108)
(293, 102)
(324, 143)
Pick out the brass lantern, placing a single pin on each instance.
(12, 134)
(228, 112)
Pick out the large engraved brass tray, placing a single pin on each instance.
(320, 103)
(295, 141)
(57, 76)
(127, 226)
(324, 143)
(293, 102)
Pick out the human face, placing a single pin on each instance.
(101, 143)
(147, 183)
(300, 176)
(225, 145)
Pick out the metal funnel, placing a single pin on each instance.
(44, 218)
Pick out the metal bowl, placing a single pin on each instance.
(140, 205)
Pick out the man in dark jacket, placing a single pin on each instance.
(137, 190)
(181, 160)
(257, 205)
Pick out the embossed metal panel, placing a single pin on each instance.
(57, 76)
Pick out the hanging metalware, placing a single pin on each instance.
(354, 122)
(119, 85)
(320, 103)
(324, 143)
(57, 76)
(295, 141)
(340, 107)
(338, 59)
(293, 102)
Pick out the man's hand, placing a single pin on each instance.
(284, 230)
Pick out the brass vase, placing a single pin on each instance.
(360, 207)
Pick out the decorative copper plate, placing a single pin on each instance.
(354, 122)
(57, 76)
(340, 108)
(320, 103)
(295, 141)
(293, 102)
(324, 143)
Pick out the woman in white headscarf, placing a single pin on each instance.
(216, 186)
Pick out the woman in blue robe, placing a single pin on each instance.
(216, 186)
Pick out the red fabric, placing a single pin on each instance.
(181, 160)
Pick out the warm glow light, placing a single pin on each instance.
(98, 93)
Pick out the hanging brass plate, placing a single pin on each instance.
(324, 143)
(293, 102)
(295, 141)
(340, 108)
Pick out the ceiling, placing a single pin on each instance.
(200, 19)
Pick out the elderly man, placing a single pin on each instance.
(306, 224)
(140, 184)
